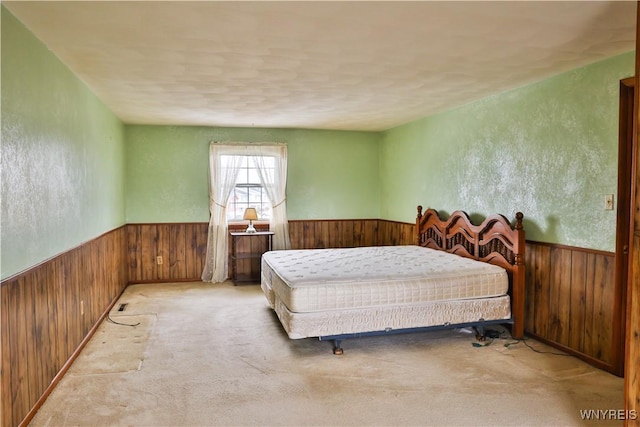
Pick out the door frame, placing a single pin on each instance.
(623, 220)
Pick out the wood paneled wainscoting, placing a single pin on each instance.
(349, 233)
(571, 299)
(48, 313)
(183, 246)
(166, 252)
(572, 303)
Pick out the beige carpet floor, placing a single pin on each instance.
(204, 355)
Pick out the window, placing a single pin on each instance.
(244, 175)
(249, 191)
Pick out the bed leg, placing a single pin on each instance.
(337, 350)
(480, 336)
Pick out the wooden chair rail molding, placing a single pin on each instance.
(51, 309)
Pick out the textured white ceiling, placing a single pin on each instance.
(327, 65)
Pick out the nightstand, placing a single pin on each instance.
(245, 253)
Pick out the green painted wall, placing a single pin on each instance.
(548, 149)
(331, 174)
(62, 155)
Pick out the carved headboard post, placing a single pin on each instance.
(418, 225)
(518, 290)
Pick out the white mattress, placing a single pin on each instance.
(313, 280)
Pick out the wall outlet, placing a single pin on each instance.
(159, 260)
(608, 202)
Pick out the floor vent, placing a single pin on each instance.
(122, 307)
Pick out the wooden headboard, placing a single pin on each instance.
(494, 241)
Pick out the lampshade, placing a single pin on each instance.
(250, 214)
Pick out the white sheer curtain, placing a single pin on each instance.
(274, 181)
(222, 181)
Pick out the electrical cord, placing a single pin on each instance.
(118, 323)
(524, 341)
(504, 335)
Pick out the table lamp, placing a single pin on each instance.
(250, 214)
